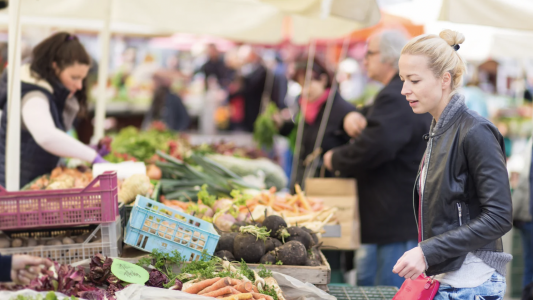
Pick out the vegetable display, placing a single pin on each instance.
(212, 277)
(182, 180)
(62, 178)
(273, 174)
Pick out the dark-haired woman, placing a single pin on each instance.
(53, 95)
(313, 107)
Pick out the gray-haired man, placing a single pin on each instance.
(384, 158)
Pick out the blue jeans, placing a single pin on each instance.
(492, 289)
(526, 231)
(374, 263)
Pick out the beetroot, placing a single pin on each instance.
(300, 235)
(270, 257)
(224, 254)
(292, 253)
(246, 246)
(271, 244)
(274, 224)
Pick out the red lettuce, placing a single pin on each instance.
(157, 279)
(100, 269)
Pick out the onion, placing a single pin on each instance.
(222, 204)
(224, 222)
(208, 211)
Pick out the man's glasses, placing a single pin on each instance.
(370, 53)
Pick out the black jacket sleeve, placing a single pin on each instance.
(486, 165)
(5, 268)
(387, 132)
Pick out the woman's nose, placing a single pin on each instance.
(405, 89)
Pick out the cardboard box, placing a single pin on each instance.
(340, 193)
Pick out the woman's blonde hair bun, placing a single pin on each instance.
(452, 37)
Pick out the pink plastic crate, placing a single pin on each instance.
(97, 203)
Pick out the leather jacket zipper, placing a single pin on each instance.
(460, 211)
(421, 207)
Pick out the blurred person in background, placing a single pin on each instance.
(318, 90)
(215, 67)
(384, 158)
(53, 94)
(521, 209)
(475, 98)
(166, 106)
(253, 72)
(235, 96)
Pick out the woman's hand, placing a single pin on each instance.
(411, 264)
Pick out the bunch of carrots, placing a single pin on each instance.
(227, 289)
(288, 205)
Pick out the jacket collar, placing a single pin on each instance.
(27, 76)
(451, 113)
(55, 88)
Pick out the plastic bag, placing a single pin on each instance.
(141, 292)
(7, 295)
(294, 289)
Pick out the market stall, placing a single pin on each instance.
(193, 199)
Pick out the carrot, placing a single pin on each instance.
(292, 200)
(244, 287)
(221, 283)
(262, 296)
(272, 190)
(254, 288)
(219, 292)
(283, 205)
(239, 297)
(197, 287)
(233, 281)
(258, 296)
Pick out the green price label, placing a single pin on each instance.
(129, 272)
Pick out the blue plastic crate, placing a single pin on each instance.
(153, 225)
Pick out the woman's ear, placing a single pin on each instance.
(56, 69)
(446, 80)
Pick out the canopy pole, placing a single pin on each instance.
(310, 170)
(103, 73)
(12, 172)
(300, 131)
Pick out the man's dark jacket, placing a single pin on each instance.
(385, 159)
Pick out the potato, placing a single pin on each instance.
(80, 239)
(68, 241)
(16, 243)
(32, 242)
(5, 243)
(54, 242)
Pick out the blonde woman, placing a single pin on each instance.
(463, 204)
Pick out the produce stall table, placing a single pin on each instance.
(348, 292)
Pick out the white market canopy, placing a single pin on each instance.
(251, 21)
(510, 14)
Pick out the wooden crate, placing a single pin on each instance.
(319, 276)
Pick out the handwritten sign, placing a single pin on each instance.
(129, 272)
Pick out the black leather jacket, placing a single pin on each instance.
(466, 201)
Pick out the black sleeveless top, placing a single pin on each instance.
(34, 160)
